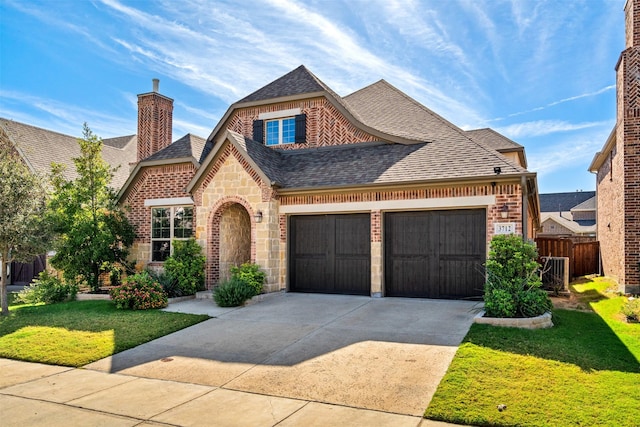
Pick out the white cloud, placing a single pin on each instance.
(543, 127)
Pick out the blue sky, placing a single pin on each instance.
(539, 72)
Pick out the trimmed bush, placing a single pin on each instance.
(631, 309)
(139, 292)
(251, 275)
(186, 267)
(233, 293)
(47, 289)
(513, 286)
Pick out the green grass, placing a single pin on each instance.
(79, 332)
(585, 371)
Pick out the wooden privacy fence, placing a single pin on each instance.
(26, 272)
(584, 257)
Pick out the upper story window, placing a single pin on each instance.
(280, 127)
(168, 224)
(281, 131)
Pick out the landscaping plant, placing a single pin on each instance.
(513, 286)
(233, 292)
(185, 267)
(251, 275)
(139, 292)
(631, 309)
(93, 232)
(47, 289)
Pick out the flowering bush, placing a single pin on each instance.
(139, 292)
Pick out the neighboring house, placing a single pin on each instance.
(617, 167)
(38, 148)
(371, 193)
(570, 215)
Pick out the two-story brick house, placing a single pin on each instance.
(617, 168)
(371, 193)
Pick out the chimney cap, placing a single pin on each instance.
(156, 84)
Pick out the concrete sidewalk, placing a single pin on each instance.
(34, 394)
(287, 360)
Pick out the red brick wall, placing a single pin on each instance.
(325, 125)
(155, 182)
(155, 122)
(618, 179)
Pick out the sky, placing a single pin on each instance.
(540, 72)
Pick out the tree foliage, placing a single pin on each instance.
(23, 230)
(93, 233)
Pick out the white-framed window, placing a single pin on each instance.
(168, 224)
(281, 131)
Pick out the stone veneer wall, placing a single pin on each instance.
(325, 125)
(153, 182)
(235, 237)
(232, 184)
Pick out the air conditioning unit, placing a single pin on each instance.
(555, 273)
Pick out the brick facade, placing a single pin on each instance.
(153, 182)
(325, 125)
(618, 177)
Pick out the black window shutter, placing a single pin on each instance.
(301, 128)
(258, 131)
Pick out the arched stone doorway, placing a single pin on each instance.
(232, 238)
(235, 238)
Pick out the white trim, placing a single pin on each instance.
(174, 201)
(391, 205)
(279, 114)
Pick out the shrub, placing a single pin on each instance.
(139, 292)
(233, 293)
(186, 266)
(170, 286)
(631, 309)
(251, 275)
(47, 289)
(513, 286)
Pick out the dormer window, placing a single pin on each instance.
(281, 131)
(280, 127)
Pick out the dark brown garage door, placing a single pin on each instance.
(330, 254)
(435, 254)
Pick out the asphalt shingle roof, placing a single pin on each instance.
(563, 202)
(187, 146)
(587, 205)
(373, 163)
(42, 147)
(493, 139)
(296, 82)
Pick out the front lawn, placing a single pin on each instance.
(585, 371)
(79, 332)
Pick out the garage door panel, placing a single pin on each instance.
(330, 254)
(435, 254)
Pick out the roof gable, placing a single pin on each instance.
(185, 147)
(493, 139)
(296, 82)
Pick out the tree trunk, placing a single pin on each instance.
(3, 282)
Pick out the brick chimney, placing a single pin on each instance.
(155, 121)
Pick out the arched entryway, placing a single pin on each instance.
(232, 238)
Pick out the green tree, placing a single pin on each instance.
(93, 232)
(23, 229)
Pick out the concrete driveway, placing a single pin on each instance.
(385, 354)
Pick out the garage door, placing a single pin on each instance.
(435, 254)
(330, 254)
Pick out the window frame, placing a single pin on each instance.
(290, 132)
(172, 229)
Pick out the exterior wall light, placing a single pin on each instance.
(504, 211)
(258, 216)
